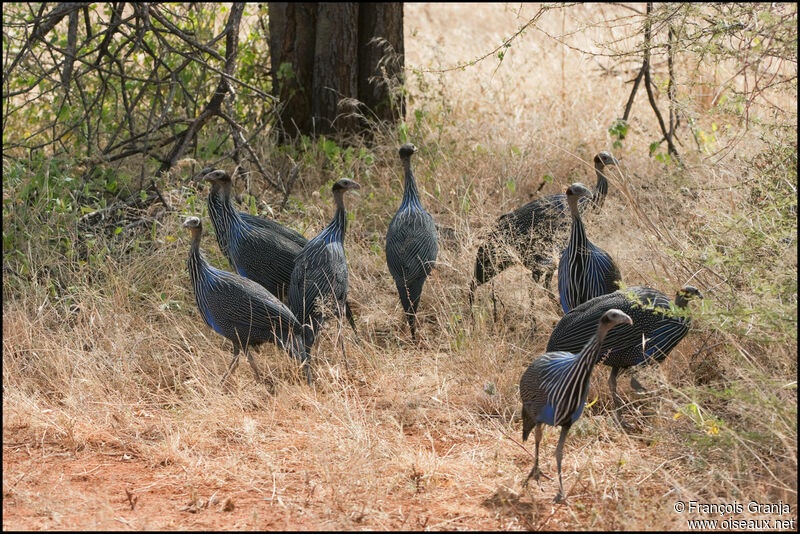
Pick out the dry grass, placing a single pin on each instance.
(121, 393)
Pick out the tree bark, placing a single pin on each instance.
(335, 68)
(327, 57)
(292, 27)
(381, 56)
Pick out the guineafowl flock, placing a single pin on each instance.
(286, 287)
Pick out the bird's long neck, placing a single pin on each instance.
(601, 187)
(578, 234)
(572, 390)
(220, 204)
(591, 355)
(336, 228)
(680, 300)
(197, 263)
(410, 193)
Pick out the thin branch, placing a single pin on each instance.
(505, 44)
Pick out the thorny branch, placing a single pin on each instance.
(128, 81)
(758, 40)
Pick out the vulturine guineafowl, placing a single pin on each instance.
(240, 309)
(320, 279)
(220, 208)
(411, 243)
(585, 271)
(655, 332)
(534, 233)
(261, 254)
(554, 389)
(266, 249)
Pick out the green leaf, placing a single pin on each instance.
(619, 128)
(402, 129)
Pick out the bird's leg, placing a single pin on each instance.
(536, 473)
(472, 286)
(349, 313)
(253, 365)
(559, 454)
(549, 277)
(494, 304)
(341, 342)
(307, 365)
(637, 386)
(307, 369)
(612, 384)
(231, 366)
(537, 438)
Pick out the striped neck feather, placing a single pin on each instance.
(334, 232)
(601, 187)
(577, 239)
(410, 193)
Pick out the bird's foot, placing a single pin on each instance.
(637, 387)
(267, 381)
(535, 474)
(538, 473)
(624, 425)
(559, 498)
(226, 385)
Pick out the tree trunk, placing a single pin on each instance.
(381, 56)
(292, 28)
(335, 68)
(326, 57)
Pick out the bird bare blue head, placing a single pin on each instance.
(605, 158)
(579, 190)
(407, 150)
(613, 317)
(217, 176)
(193, 223)
(345, 184)
(685, 294)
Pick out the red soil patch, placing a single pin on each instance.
(48, 487)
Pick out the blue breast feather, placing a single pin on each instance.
(204, 310)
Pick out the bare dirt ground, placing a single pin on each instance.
(48, 487)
